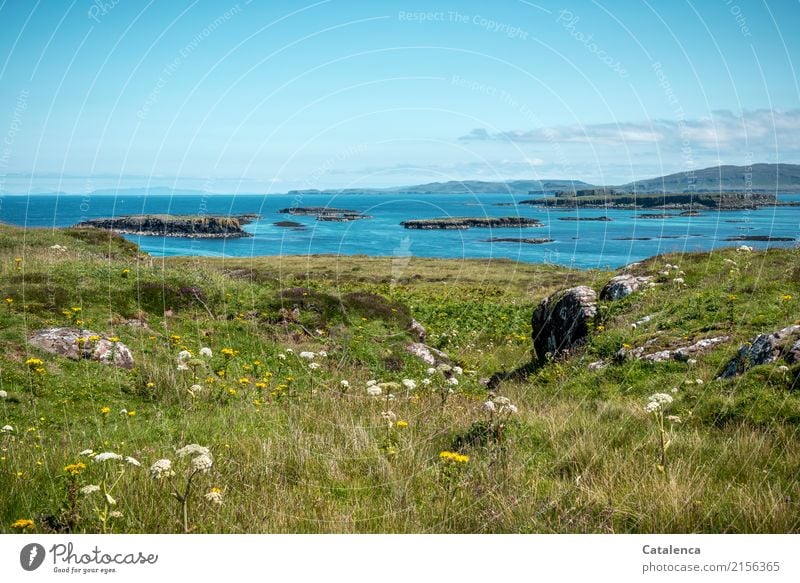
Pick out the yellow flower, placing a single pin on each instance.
(601, 328)
(113, 339)
(150, 385)
(625, 345)
(261, 385)
(76, 309)
(34, 362)
(131, 413)
(786, 297)
(244, 381)
(9, 301)
(229, 352)
(731, 297)
(22, 523)
(94, 338)
(220, 373)
(402, 424)
(232, 392)
(75, 469)
(105, 410)
(451, 456)
(125, 272)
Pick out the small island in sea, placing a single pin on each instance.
(528, 241)
(449, 223)
(331, 215)
(189, 226)
(687, 201)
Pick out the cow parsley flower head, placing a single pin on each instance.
(313, 366)
(133, 461)
(281, 356)
(372, 383)
(452, 381)
(161, 469)
(323, 354)
(652, 407)
(7, 429)
(458, 370)
(661, 398)
(202, 463)
(389, 416)
(205, 352)
(307, 355)
(192, 449)
(410, 384)
(489, 406)
(430, 371)
(195, 389)
(184, 355)
(90, 489)
(345, 384)
(107, 455)
(182, 366)
(3, 395)
(426, 381)
(374, 391)
(86, 452)
(214, 496)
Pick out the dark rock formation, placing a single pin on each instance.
(77, 344)
(190, 226)
(562, 321)
(767, 238)
(467, 222)
(529, 241)
(325, 213)
(622, 285)
(603, 218)
(289, 224)
(762, 349)
(793, 355)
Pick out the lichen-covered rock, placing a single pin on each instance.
(77, 344)
(762, 349)
(428, 354)
(684, 353)
(417, 330)
(622, 285)
(562, 321)
(793, 355)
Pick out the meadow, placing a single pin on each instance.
(276, 395)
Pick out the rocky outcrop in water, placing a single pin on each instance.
(189, 226)
(325, 213)
(562, 321)
(762, 349)
(527, 241)
(470, 222)
(621, 286)
(77, 344)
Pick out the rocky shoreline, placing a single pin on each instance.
(186, 226)
(462, 223)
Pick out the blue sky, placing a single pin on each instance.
(271, 96)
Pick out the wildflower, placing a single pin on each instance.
(214, 495)
(307, 355)
(786, 297)
(372, 383)
(7, 429)
(322, 354)
(86, 452)
(195, 389)
(313, 366)
(9, 301)
(389, 416)
(105, 410)
(94, 338)
(281, 356)
(205, 352)
(244, 381)
(744, 249)
(161, 469)
(673, 419)
(489, 406)
(182, 366)
(402, 424)
(125, 272)
(133, 461)
(261, 385)
(451, 456)
(34, 362)
(290, 351)
(452, 381)
(110, 499)
(345, 384)
(3, 395)
(113, 338)
(232, 392)
(698, 381)
(90, 489)
(75, 469)
(652, 407)
(426, 382)
(123, 411)
(430, 371)
(202, 463)
(458, 370)
(107, 455)
(115, 514)
(374, 391)
(678, 280)
(131, 413)
(691, 361)
(22, 524)
(184, 355)
(150, 385)
(193, 449)
(409, 384)
(783, 368)
(228, 352)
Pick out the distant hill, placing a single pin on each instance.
(464, 187)
(758, 178)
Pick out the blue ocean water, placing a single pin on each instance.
(584, 244)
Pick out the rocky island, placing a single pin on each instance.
(326, 213)
(599, 198)
(188, 226)
(462, 223)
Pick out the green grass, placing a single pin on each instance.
(294, 451)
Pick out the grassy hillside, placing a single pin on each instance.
(757, 177)
(296, 450)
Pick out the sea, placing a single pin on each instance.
(582, 244)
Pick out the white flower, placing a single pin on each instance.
(110, 499)
(783, 368)
(132, 461)
(323, 354)
(90, 489)
(281, 356)
(7, 429)
(678, 280)
(691, 361)
(744, 249)
(389, 416)
(213, 496)
(489, 406)
(192, 449)
(3, 395)
(290, 351)
(458, 370)
(123, 411)
(307, 355)
(195, 389)
(313, 366)
(182, 366)
(161, 469)
(202, 463)
(652, 407)
(426, 382)
(372, 383)
(345, 384)
(115, 514)
(410, 384)
(698, 381)
(661, 398)
(86, 452)
(452, 381)
(510, 408)
(430, 371)
(184, 355)
(374, 391)
(673, 419)
(107, 455)
(205, 352)
(674, 389)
